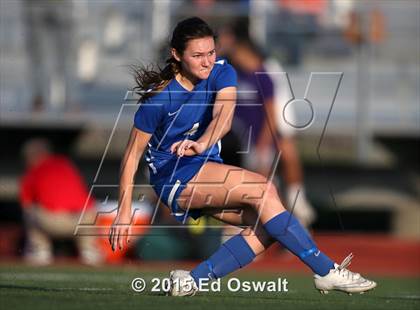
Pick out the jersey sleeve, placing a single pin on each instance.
(148, 116)
(225, 77)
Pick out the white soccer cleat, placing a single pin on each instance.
(182, 283)
(342, 279)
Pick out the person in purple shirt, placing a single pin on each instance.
(262, 135)
(253, 89)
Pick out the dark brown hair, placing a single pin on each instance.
(151, 78)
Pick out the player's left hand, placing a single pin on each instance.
(120, 231)
(187, 148)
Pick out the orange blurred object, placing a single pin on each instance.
(377, 26)
(140, 226)
(316, 7)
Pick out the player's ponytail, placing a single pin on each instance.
(150, 79)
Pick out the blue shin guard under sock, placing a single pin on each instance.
(232, 255)
(286, 229)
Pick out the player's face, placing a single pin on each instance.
(199, 57)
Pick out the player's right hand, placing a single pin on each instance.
(120, 231)
(187, 148)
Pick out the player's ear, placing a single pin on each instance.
(175, 54)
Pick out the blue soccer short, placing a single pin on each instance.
(172, 176)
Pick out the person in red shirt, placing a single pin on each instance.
(53, 196)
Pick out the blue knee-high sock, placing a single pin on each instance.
(232, 255)
(286, 229)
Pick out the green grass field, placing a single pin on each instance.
(77, 287)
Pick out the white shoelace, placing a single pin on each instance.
(344, 272)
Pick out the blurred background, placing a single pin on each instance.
(64, 77)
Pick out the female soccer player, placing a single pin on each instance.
(185, 110)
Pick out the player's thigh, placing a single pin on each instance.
(223, 186)
(252, 229)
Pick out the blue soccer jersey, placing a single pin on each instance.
(176, 114)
